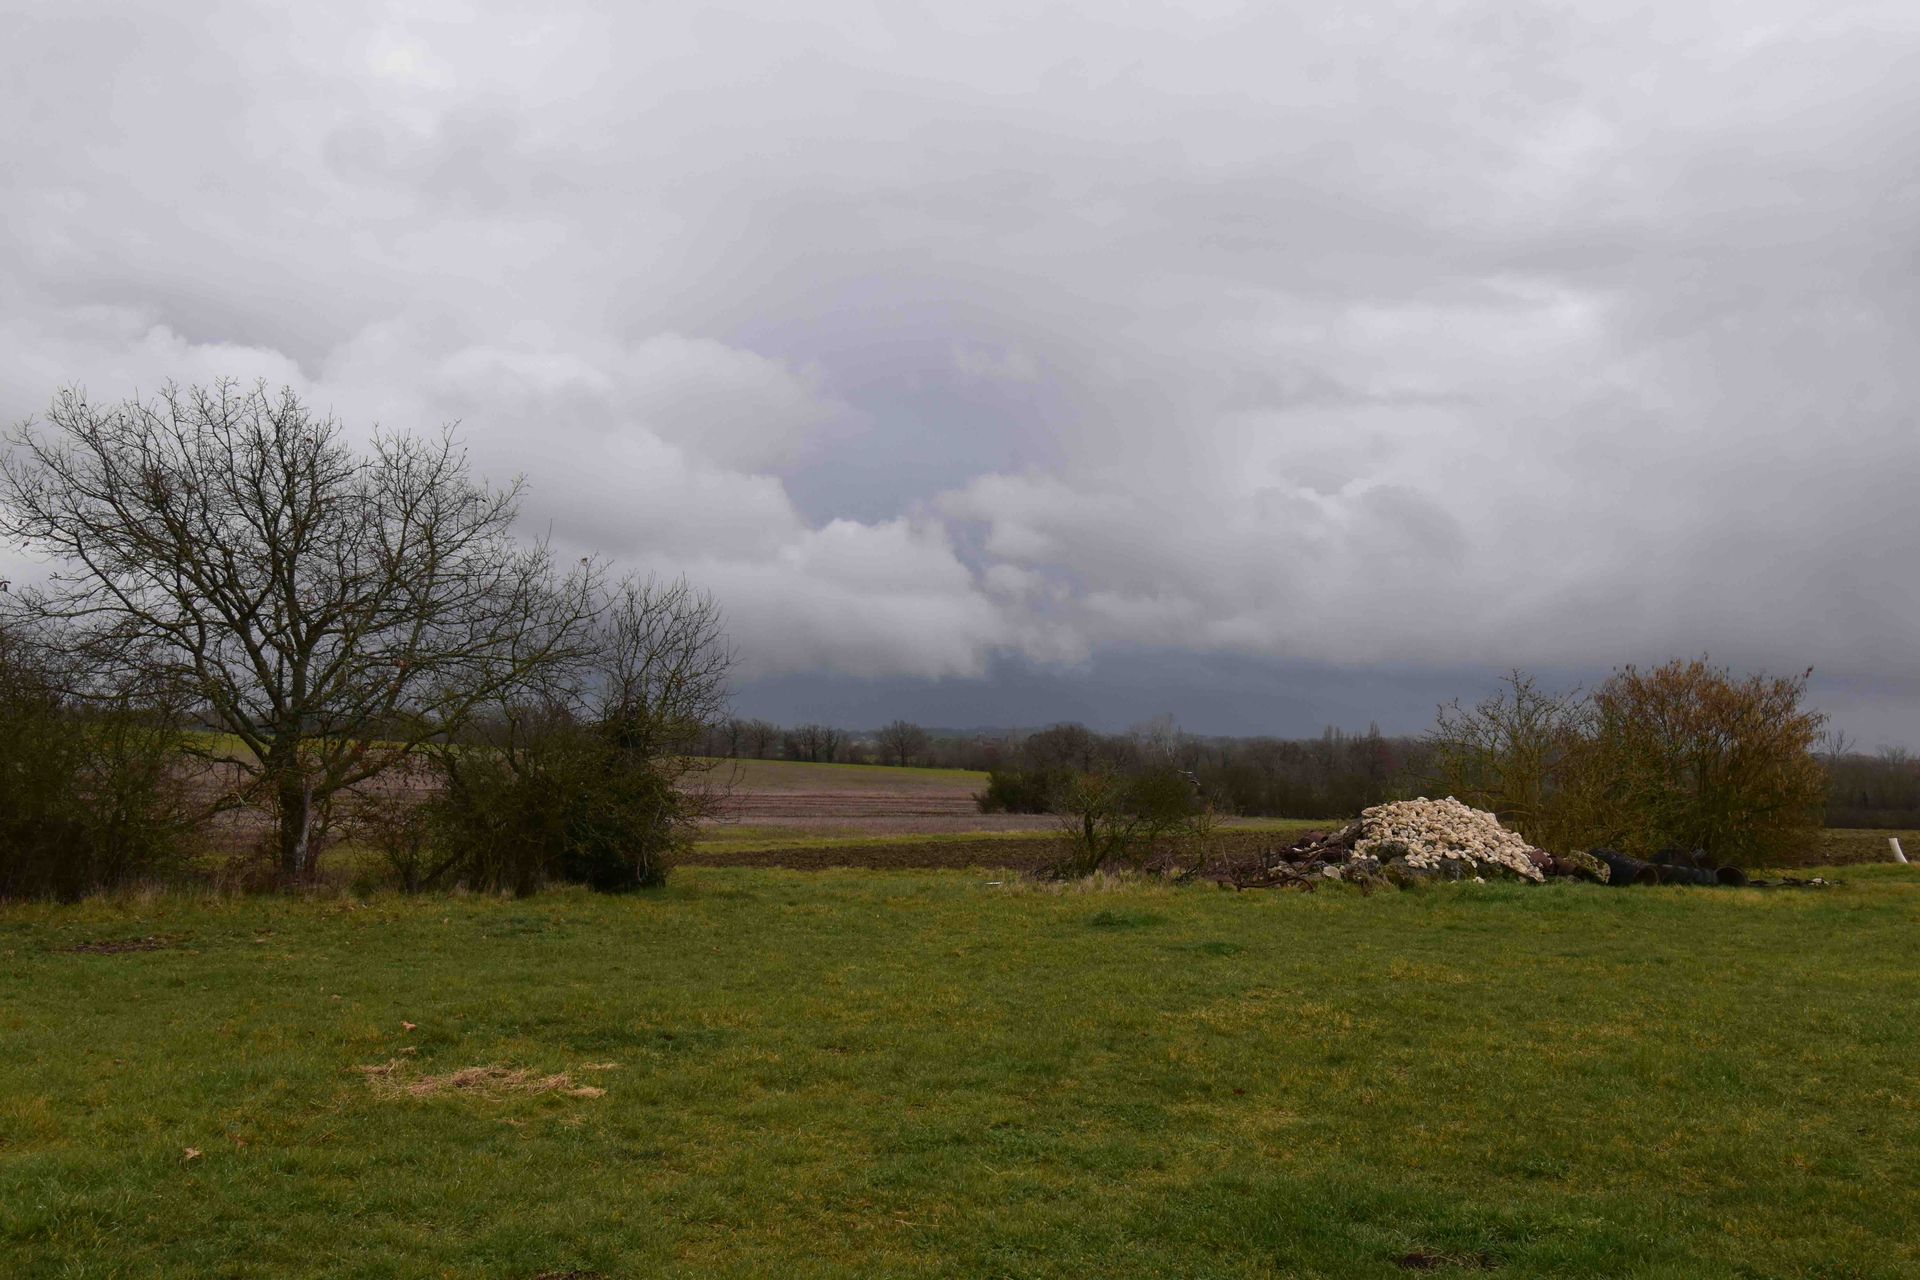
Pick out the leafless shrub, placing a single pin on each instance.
(1512, 753)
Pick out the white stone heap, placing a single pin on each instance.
(1429, 834)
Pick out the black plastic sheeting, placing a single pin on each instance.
(1671, 866)
(1623, 870)
(1678, 867)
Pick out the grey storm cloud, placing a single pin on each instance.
(934, 338)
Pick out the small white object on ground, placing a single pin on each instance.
(1898, 856)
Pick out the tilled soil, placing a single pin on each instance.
(882, 810)
(1852, 848)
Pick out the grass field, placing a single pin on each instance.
(917, 1074)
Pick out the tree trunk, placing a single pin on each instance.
(296, 826)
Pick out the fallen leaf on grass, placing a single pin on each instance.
(409, 1026)
(191, 1153)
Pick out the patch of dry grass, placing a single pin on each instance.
(393, 1079)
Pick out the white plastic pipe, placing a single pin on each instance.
(1897, 855)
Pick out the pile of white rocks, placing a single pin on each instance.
(1409, 841)
(1442, 836)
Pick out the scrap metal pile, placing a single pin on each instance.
(1410, 841)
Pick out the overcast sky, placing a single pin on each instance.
(1265, 364)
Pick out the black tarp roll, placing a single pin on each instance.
(1624, 871)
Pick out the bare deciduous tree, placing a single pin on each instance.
(657, 666)
(814, 743)
(1511, 754)
(759, 739)
(330, 607)
(902, 742)
(1833, 746)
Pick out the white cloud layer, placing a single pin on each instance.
(1380, 332)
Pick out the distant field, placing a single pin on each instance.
(918, 1074)
(798, 775)
(1018, 850)
(1841, 846)
(790, 814)
(827, 800)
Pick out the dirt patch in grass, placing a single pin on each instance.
(394, 1080)
(1431, 1260)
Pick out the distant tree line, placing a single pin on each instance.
(1686, 755)
(1336, 772)
(1333, 773)
(900, 743)
(1878, 789)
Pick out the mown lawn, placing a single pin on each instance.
(917, 1074)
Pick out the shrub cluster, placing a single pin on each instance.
(1683, 756)
(92, 791)
(545, 799)
(587, 776)
(1011, 789)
